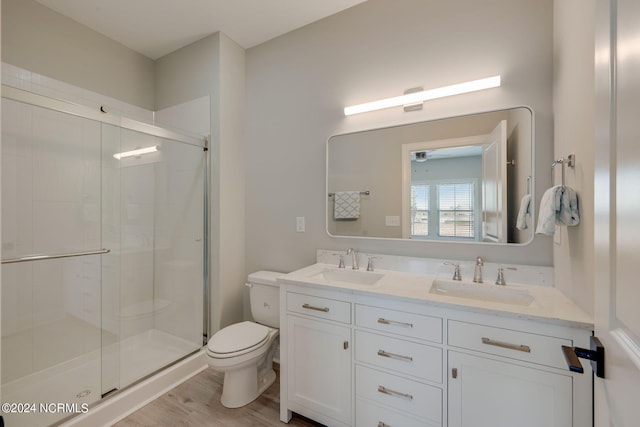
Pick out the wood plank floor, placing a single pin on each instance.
(196, 402)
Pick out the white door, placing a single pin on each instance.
(617, 211)
(494, 185)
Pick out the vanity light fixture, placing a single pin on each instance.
(137, 152)
(425, 95)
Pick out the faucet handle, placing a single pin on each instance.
(370, 263)
(456, 270)
(500, 280)
(341, 262)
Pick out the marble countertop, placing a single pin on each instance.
(549, 305)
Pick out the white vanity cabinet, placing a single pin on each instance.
(317, 358)
(398, 365)
(352, 358)
(504, 372)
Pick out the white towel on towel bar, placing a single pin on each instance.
(346, 205)
(525, 206)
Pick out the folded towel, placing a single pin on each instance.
(346, 205)
(525, 206)
(559, 206)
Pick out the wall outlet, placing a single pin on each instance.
(300, 226)
(392, 221)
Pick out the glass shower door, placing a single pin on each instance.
(152, 280)
(102, 254)
(51, 322)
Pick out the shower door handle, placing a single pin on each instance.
(54, 256)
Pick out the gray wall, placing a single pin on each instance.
(215, 66)
(298, 84)
(43, 41)
(574, 117)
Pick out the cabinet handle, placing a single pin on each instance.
(345, 345)
(383, 424)
(393, 322)
(310, 307)
(518, 347)
(395, 356)
(454, 373)
(384, 390)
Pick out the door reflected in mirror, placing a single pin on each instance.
(460, 179)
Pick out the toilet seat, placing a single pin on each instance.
(237, 339)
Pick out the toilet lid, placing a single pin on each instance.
(237, 337)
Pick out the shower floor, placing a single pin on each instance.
(78, 381)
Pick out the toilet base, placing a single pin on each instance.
(240, 387)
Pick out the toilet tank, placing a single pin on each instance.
(264, 294)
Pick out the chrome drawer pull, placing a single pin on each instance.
(523, 348)
(383, 389)
(383, 424)
(393, 322)
(310, 307)
(395, 356)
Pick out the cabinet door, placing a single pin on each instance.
(319, 371)
(487, 392)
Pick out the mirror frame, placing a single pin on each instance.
(532, 189)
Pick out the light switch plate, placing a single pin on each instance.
(392, 221)
(300, 226)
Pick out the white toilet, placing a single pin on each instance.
(244, 351)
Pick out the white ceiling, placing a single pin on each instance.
(157, 27)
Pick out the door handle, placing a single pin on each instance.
(595, 354)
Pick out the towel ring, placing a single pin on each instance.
(570, 162)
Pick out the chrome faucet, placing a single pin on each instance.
(477, 272)
(354, 258)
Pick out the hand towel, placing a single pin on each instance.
(346, 205)
(548, 210)
(559, 206)
(525, 206)
(568, 212)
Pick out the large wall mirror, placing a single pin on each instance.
(459, 179)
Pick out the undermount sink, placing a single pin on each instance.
(482, 292)
(354, 277)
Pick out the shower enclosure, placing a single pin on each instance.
(104, 242)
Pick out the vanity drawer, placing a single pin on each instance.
(420, 400)
(540, 349)
(417, 360)
(399, 322)
(325, 308)
(369, 414)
